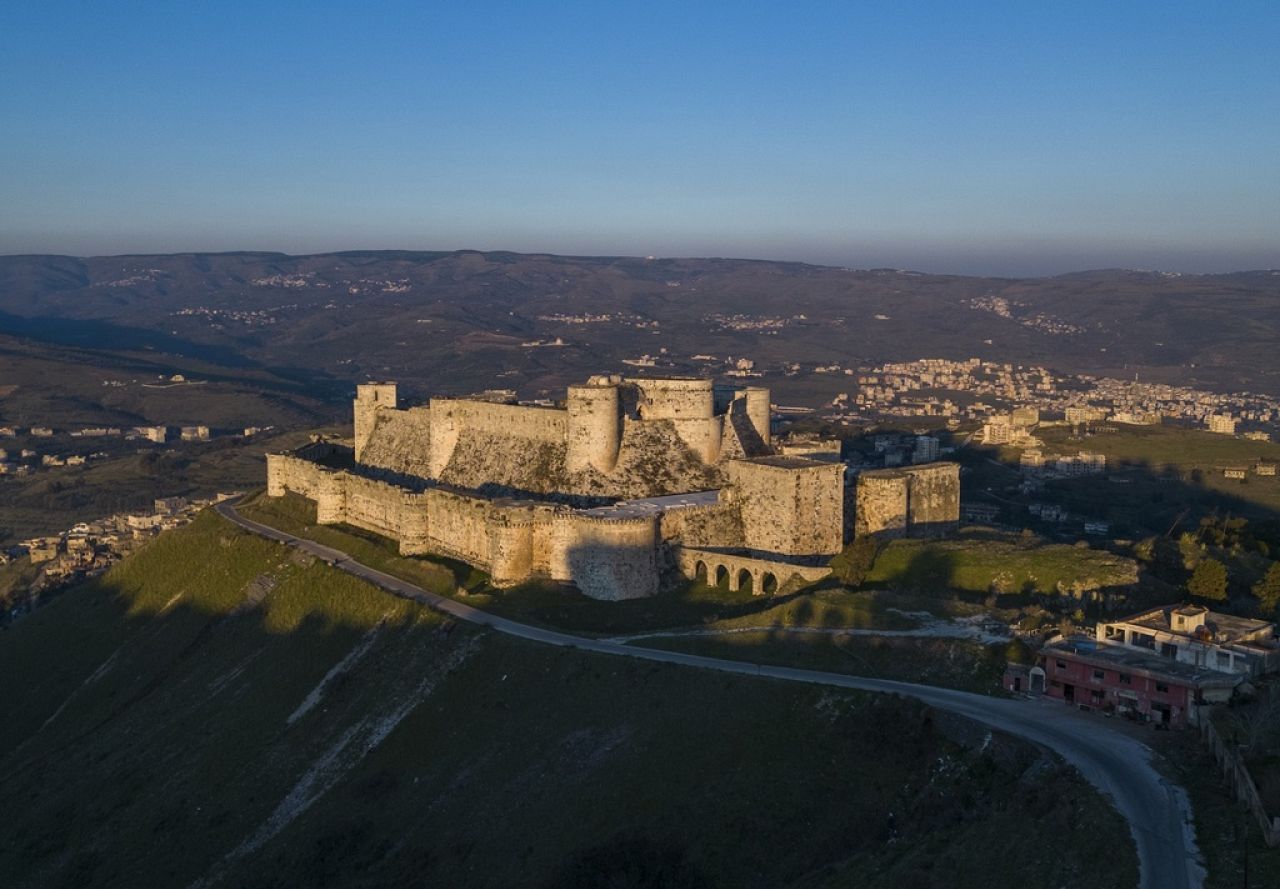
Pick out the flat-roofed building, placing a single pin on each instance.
(1107, 676)
(1223, 424)
(1194, 635)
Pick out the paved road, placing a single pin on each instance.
(1158, 811)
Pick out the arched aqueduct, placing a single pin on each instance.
(762, 577)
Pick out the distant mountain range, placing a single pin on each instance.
(460, 321)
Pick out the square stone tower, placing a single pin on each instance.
(789, 505)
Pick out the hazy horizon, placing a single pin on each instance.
(964, 264)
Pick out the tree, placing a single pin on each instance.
(1260, 720)
(853, 565)
(1268, 590)
(1189, 548)
(1209, 581)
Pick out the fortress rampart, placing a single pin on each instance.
(452, 418)
(343, 497)
(580, 448)
(608, 558)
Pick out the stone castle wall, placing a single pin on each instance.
(607, 558)
(689, 405)
(881, 503)
(916, 501)
(370, 399)
(517, 424)
(790, 505)
(592, 447)
(594, 428)
(934, 505)
(674, 399)
(459, 525)
(716, 525)
(341, 496)
(398, 440)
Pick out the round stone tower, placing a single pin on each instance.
(594, 428)
(758, 411)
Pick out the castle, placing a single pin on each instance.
(629, 478)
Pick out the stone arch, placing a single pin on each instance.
(722, 576)
(1036, 681)
(746, 581)
(768, 583)
(700, 571)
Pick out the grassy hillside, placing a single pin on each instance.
(219, 712)
(974, 564)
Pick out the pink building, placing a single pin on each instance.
(1100, 676)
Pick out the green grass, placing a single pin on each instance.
(147, 734)
(829, 608)
(978, 563)
(1169, 469)
(14, 578)
(950, 663)
(297, 516)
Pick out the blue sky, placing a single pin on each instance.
(1013, 138)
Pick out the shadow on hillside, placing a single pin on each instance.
(170, 732)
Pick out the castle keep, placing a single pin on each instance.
(628, 478)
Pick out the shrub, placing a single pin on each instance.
(1209, 581)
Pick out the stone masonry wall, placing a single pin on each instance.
(608, 559)
(789, 506)
(288, 473)
(933, 505)
(459, 526)
(717, 525)
(399, 440)
(915, 501)
(453, 419)
(341, 496)
(881, 503)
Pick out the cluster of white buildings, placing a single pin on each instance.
(90, 548)
(984, 391)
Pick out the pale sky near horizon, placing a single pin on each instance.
(1003, 138)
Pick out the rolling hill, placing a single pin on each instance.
(462, 321)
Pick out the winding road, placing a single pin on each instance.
(1157, 810)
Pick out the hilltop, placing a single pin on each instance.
(269, 720)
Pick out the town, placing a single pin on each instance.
(987, 393)
(52, 563)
